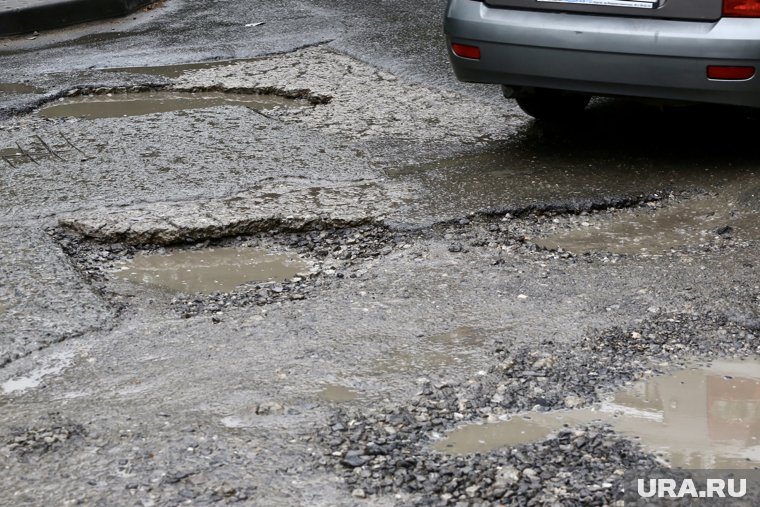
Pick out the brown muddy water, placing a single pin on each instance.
(138, 104)
(432, 352)
(705, 417)
(17, 88)
(686, 223)
(337, 393)
(211, 269)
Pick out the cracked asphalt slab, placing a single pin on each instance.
(424, 206)
(37, 290)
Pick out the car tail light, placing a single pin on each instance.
(741, 8)
(730, 73)
(465, 51)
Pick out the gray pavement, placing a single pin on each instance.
(420, 203)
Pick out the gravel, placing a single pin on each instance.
(387, 450)
(38, 440)
(333, 253)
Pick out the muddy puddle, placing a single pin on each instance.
(698, 418)
(138, 104)
(17, 88)
(337, 393)
(211, 269)
(687, 223)
(432, 353)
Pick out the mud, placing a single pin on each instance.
(432, 353)
(17, 88)
(704, 417)
(210, 270)
(337, 393)
(687, 223)
(138, 104)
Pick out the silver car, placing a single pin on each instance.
(553, 55)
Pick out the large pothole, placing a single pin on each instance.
(699, 417)
(212, 276)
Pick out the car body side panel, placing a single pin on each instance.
(709, 10)
(605, 55)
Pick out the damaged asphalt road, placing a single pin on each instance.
(456, 263)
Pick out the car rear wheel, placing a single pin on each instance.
(553, 105)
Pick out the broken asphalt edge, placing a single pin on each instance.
(62, 13)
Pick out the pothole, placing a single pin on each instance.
(137, 104)
(699, 418)
(303, 262)
(210, 270)
(432, 352)
(17, 88)
(688, 223)
(337, 393)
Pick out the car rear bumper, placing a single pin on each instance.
(604, 55)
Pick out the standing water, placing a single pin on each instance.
(211, 269)
(699, 418)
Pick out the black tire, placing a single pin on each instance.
(553, 105)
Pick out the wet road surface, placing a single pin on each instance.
(424, 258)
